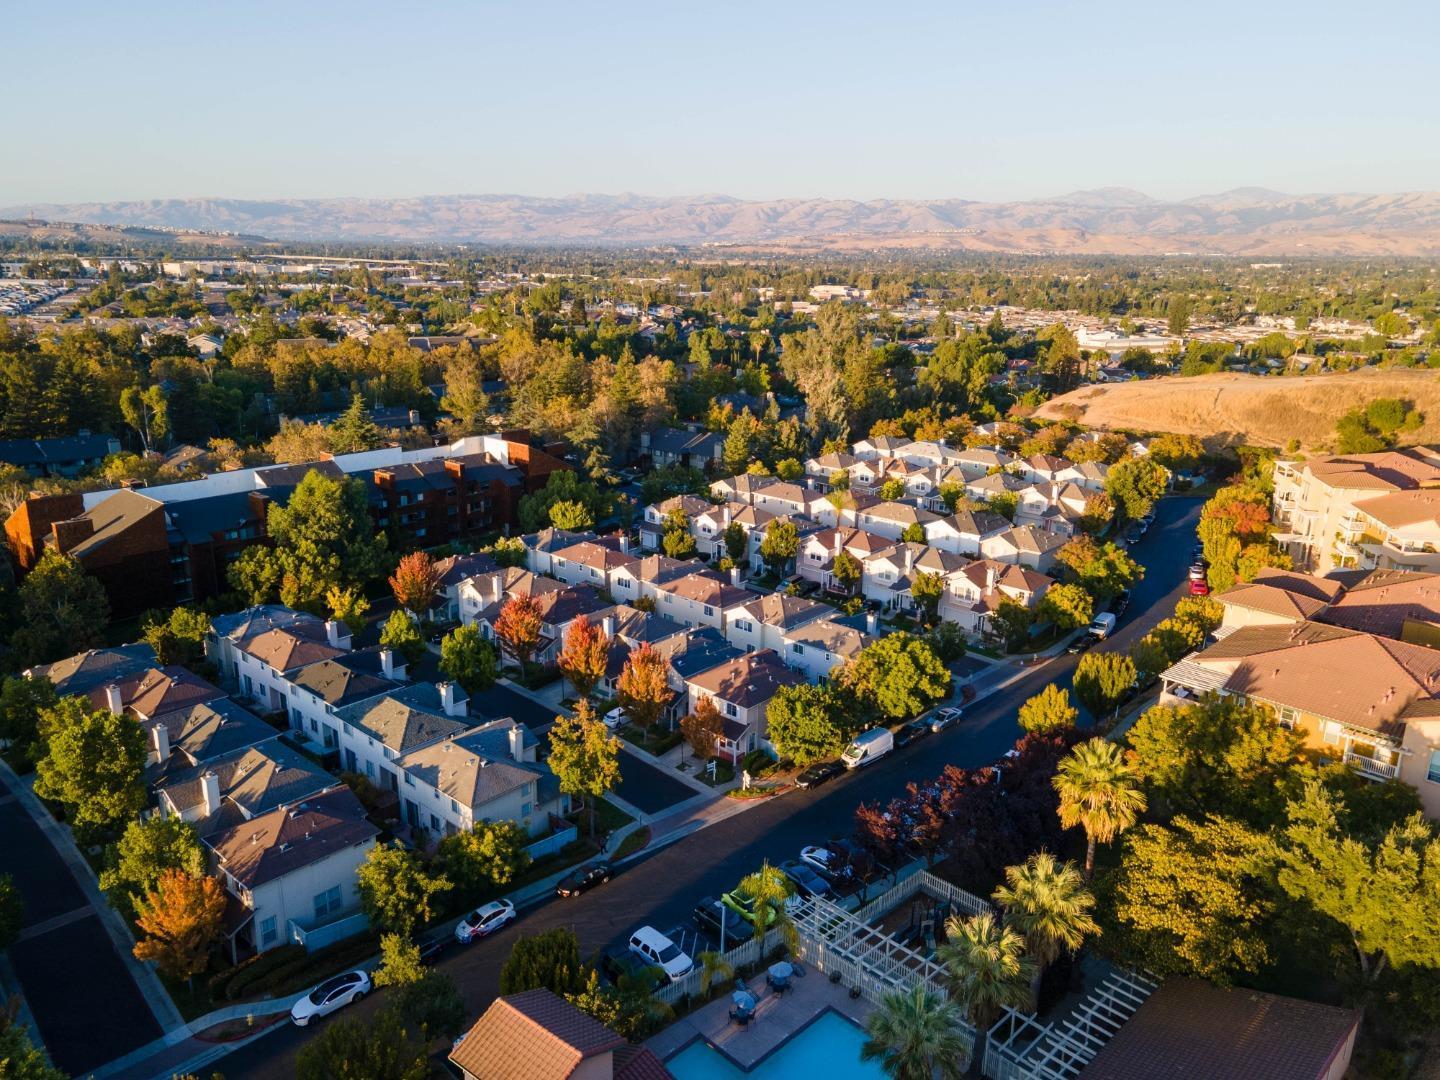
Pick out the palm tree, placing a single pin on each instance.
(767, 890)
(1099, 791)
(1046, 901)
(915, 1033)
(988, 968)
(713, 967)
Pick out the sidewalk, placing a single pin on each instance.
(59, 836)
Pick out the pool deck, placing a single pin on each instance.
(777, 1018)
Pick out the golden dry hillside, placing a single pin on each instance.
(1233, 409)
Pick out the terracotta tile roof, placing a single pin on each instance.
(1349, 677)
(1273, 600)
(1318, 588)
(1384, 601)
(536, 1035)
(1404, 508)
(1389, 470)
(1190, 1029)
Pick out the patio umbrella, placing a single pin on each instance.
(744, 1000)
(781, 971)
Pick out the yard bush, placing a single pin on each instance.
(238, 979)
(757, 763)
(308, 969)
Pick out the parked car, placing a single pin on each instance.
(1081, 644)
(619, 964)
(1101, 626)
(484, 921)
(822, 859)
(616, 718)
(1121, 603)
(655, 948)
(584, 878)
(1198, 569)
(710, 915)
(1134, 533)
(946, 717)
(743, 906)
(817, 774)
(806, 881)
(1199, 587)
(330, 995)
(908, 732)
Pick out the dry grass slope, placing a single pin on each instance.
(1233, 409)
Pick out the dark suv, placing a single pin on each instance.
(710, 914)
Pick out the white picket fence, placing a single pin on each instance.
(739, 957)
(930, 885)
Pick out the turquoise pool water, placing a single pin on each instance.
(829, 1047)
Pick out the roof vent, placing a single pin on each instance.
(285, 847)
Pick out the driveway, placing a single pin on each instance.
(500, 701)
(82, 996)
(648, 788)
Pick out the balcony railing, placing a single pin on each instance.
(1372, 767)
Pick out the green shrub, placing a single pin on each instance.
(257, 967)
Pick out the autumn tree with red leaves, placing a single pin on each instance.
(415, 583)
(518, 627)
(584, 656)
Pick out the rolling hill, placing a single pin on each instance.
(1234, 409)
(1244, 222)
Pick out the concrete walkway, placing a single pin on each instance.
(60, 838)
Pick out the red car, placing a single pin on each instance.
(1199, 587)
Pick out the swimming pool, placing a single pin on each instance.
(829, 1047)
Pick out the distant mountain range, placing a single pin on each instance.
(1245, 221)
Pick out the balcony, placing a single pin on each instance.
(1371, 767)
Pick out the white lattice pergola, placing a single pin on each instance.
(877, 955)
(1020, 1046)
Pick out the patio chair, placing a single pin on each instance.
(741, 1016)
(779, 986)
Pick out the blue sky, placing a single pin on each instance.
(1005, 100)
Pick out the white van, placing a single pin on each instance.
(1101, 625)
(655, 948)
(869, 746)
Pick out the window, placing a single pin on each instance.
(434, 823)
(730, 710)
(1433, 772)
(797, 648)
(409, 780)
(709, 610)
(1331, 732)
(327, 901)
(525, 809)
(1287, 716)
(268, 933)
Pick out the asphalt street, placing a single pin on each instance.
(84, 1021)
(662, 888)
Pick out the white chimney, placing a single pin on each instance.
(210, 787)
(725, 516)
(113, 700)
(838, 544)
(160, 738)
(734, 575)
(453, 699)
(607, 626)
(989, 577)
(337, 634)
(517, 742)
(872, 623)
(624, 543)
(388, 667)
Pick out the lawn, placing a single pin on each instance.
(636, 841)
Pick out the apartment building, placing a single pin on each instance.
(1320, 506)
(1370, 701)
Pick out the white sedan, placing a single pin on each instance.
(822, 860)
(330, 995)
(616, 719)
(484, 921)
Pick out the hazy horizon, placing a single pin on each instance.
(759, 102)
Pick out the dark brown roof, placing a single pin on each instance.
(1190, 1029)
(536, 1035)
(289, 837)
(639, 1063)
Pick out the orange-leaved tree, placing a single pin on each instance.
(702, 727)
(415, 582)
(181, 918)
(644, 687)
(518, 627)
(584, 656)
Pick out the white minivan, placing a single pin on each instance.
(655, 948)
(868, 747)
